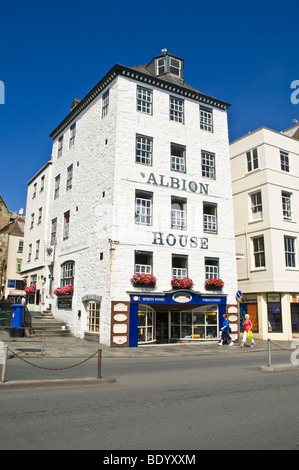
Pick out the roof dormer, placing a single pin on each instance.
(166, 64)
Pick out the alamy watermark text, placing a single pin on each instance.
(295, 94)
(2, 93)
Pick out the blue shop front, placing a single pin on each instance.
(176, 316)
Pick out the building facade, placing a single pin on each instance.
(11, 253)
(265, 179)
(141, 191)
(36, 268)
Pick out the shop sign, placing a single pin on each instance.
(178, 297)
(49, 253)
(65, 302)
(182, 298)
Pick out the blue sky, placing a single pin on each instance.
(244, 52)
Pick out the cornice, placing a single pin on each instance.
(145, 79)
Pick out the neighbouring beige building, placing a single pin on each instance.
(265, 179)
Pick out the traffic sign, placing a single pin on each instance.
(239, 296)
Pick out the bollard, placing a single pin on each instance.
(4, 364)
(269, 353)
(99, 364)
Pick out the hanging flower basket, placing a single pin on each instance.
(67, 290)
(30, 289)
(145, 280)
(178, 283)
(212, 284)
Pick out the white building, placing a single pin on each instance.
(265, 178)
(141, 184)
(35, 267)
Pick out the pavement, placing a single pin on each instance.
(76, 348)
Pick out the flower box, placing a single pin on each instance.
(145, 280)
(181, 283)
(30, 289)
(214, 284)
(67, 290)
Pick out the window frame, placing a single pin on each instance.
(206, 119)
(259, 252)
(288, 253)
(286, 200)
(178, 162)
(69, 177)
(93, 317)
(144, 100)
(212, 268)
(143, 201)
(252, 160)
(143, 267)
(210, 221)
(67, 273)
(208, 165)
(144, 150)
(73, 131)
(105, 103)
(255, 204)
(284, 161)
(178, 216)
(176, 110)
(66, 225)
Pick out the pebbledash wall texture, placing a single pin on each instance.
(141, 183)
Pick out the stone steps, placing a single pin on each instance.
(51, 326)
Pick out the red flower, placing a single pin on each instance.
(30, 289)
(145, 279)
(67, 290)
(214, 282)
(184, 283)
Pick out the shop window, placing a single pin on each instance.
(93, 317)
(274, 313)
(197, 324)
(146, 324)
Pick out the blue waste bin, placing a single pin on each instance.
(17, 321)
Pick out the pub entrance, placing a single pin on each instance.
(162, 327)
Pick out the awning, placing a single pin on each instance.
(15, 292)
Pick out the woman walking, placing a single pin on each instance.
(247, 326)
(225, 332)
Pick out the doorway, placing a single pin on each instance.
(295, 318)
(162, 327)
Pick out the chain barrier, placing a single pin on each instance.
(50, 368)
(278, 346)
